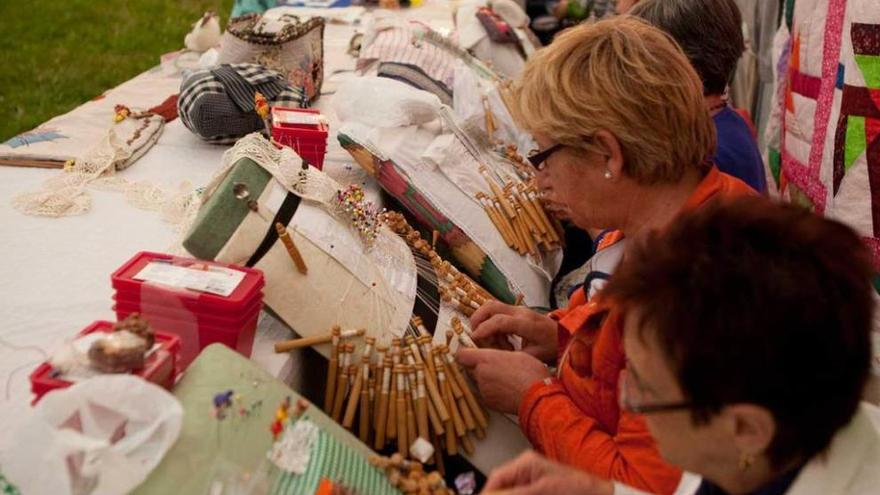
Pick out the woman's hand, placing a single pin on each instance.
(503, 377)
(533, 474)
(494, 321)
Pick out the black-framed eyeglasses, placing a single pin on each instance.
(628, 405)
(537, 158)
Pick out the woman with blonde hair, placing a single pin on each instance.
(626, 144)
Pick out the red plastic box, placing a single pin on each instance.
(249, 289)
(160, 367)
(198, 318)
(195, 335)
(128, 305)
(304, 130)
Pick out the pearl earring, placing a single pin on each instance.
(608, 174)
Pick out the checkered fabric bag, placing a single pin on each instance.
(218, 104)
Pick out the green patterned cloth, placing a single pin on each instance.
(210, 452)
(337, 462)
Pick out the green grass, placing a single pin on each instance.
(56, 55)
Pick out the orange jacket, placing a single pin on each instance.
(575, 418)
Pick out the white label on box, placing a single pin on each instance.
(294, 117)
(206, 278)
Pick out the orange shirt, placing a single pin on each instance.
(575, 418)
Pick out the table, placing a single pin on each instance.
(57, 270)
(208, 449)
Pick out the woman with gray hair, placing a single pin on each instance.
(710, 33)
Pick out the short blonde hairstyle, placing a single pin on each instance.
(626, 77)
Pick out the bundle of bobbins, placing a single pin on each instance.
(411, 396)
(517, 213)
(410, 476)
(513, 203)
(455, 287)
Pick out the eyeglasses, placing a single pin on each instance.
(537, 158)
(629, 405)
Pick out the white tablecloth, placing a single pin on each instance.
(56, 271)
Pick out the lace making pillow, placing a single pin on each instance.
(369, 279)
(429, 164)
(370, 276)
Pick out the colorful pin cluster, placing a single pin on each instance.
(362, 213)
(283, 415)
(229, 400)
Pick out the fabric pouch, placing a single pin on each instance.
(218, 104)
(289, 44)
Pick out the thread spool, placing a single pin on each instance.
(380, 350)
(411, 428)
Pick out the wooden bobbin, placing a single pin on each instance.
(400, 402)
(289, 345)
(479, 415)
(411, 427)
(421, 402)
(332, 370)
(391, 424)
(384, 398)
(342, 382)
(359, 383)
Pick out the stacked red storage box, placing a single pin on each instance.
(200, 302)
(304, 130)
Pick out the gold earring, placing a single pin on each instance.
(746, 461)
